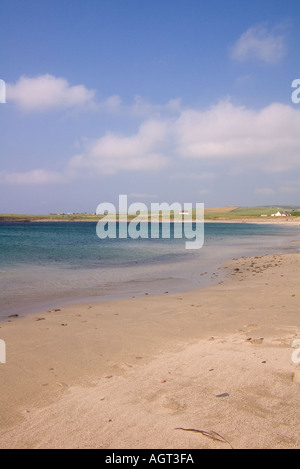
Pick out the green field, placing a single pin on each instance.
(220, 213)
(248, 212)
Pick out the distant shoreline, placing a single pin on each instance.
(293, 220)
(232, 214)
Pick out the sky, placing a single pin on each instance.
(162, 100)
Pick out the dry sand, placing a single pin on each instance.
(139, 373)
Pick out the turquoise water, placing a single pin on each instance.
(45, 264)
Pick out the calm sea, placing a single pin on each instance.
(46, 265)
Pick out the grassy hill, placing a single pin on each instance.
(248, 212)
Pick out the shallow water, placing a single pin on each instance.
(44, 265)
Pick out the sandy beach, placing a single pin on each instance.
(150, 227)
(210, 368)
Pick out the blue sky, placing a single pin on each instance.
(169, 100)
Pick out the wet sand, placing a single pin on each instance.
(141, 372)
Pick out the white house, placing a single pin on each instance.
(281, 214)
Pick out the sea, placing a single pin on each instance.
(47, 265)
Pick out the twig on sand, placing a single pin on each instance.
(212, 435)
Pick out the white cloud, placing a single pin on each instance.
(267, 139)
(46, 92)
(259, 43)
(34, 177)
(113, 103)
(113, 153)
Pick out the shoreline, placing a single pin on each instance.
(22, 309)
(284, 220)
(238, 219)
(61, 357)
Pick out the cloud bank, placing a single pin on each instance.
(267, 139)
(47, 93)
